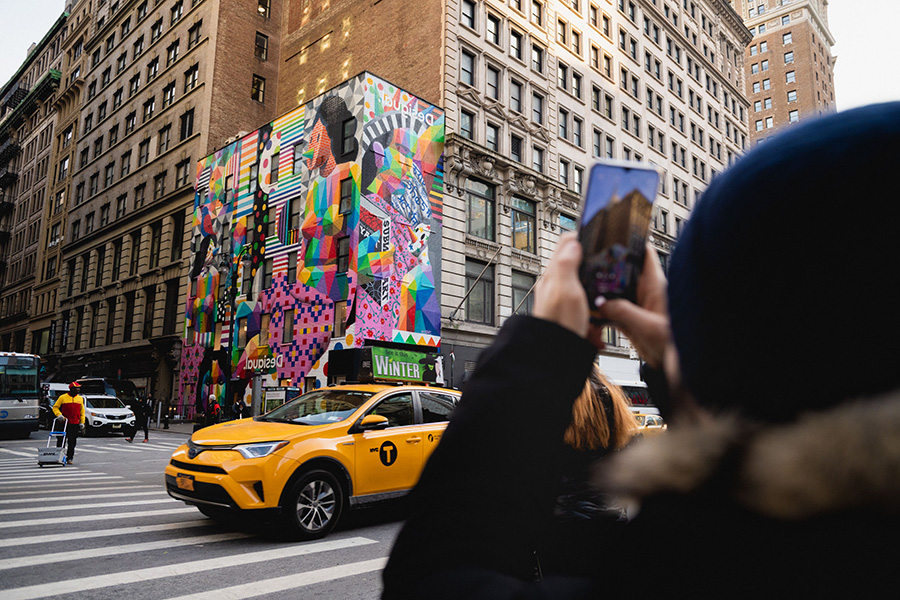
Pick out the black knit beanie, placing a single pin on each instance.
(784, 288)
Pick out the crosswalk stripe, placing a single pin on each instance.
(7, 450)
(82, 584)
(58, 475)
(288, 582)
(77, 507)
(70, 555)
(105, 479)
(116, 494)
(54, 521)
(99, 486)
(83, 535)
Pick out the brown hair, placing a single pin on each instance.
(590, 428)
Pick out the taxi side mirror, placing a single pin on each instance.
(371, 422)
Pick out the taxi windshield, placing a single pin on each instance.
(319, 407)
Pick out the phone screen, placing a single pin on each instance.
(613, 230)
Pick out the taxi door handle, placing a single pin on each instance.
(413, 440)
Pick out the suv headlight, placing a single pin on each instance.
(259, 450)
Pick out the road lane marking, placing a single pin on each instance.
(116, 494)
(288, 582)
(103, 479)
(41, 560)
(82, 584)
(7, 450)
(77, 507)
(62, 475)
(54, 521)
(81, 488)
(83, 535)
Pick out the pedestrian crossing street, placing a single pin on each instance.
(77, 532)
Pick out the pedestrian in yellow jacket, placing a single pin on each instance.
(71, 406)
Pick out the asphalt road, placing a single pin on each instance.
(105, 528)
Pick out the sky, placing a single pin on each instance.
(867, 68)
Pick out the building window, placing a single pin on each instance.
(515, 44)
(492, 137)
(480, 289)
(187, 124)
(537, 108)
(159, 186)
(792, 96)
(264, 8)
(466, 124)
(794, 116)
(537, 13)
(537, 58)
(787, 38)
(258, 89)
(467, 68)
(790, 77)
(163, 138)
(480, 202)
(788, 57)
(176, 12)
(261, 50)
(194, 35)
(172, 53)
(524, 225)
(515, 96)
(182, 173)
(467, 13)
(493, 82)
(515, 148)
(343, 254)
(522, 298)
(537, 159)
(253, 181)
(346, 202)
(143, 153)
(340, 318)
(493, 29)
(190, 78)
(149, 107)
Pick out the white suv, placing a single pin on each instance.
(106, 414)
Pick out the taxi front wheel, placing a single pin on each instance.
(312, 507)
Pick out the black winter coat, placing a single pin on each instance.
(726, 508)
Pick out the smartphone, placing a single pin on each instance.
(613, 231)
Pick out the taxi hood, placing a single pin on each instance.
(245, 431)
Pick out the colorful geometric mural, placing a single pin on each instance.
(326, 220)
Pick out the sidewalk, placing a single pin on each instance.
(179, 427)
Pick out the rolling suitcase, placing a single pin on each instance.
(52, 455)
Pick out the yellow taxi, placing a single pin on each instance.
(650, 424)
(310, 459)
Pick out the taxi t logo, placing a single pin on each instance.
(387, 453)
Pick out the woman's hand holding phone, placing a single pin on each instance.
(646, 323)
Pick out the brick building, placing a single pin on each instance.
(790, 68)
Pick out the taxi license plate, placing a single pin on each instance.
(117, 426)
(185, 482)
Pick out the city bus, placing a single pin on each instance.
(20, 393)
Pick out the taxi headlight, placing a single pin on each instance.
(259, 450)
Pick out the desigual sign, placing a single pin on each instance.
(265, 364)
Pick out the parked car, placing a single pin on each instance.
(307, 461)
(106, 414)
(122, 389)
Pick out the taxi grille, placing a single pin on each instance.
(209, 492)
(197, 468)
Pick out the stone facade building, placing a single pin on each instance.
(27, 173)
(789, 65)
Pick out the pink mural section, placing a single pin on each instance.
(318, 231)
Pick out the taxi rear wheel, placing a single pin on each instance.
(314, 504)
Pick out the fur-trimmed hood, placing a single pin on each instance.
(844, 458)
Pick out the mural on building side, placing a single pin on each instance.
(318, 231)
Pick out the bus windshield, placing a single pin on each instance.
(19, 375)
